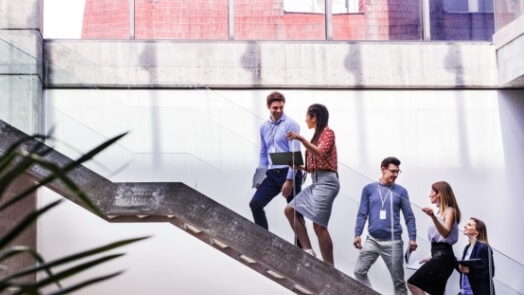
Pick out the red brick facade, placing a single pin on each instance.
(254, 20)
(107, 19)
(266, 20)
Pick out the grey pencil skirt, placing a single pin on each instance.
(316, 201)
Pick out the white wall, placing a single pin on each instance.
(472, 139)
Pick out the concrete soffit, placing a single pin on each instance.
(265, 64)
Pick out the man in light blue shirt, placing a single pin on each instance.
(279, 178)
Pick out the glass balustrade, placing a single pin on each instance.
(20, 76)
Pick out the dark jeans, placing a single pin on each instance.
(270, 187)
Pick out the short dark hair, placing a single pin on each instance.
(275, 96)
(389, 160)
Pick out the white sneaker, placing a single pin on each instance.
(310, 252)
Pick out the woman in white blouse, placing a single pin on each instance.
(433, 275)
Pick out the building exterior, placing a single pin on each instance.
(191, 91)
(288, 20)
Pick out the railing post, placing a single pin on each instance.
(131, 19)
(329, 19)
(426, 20)
(230, 20)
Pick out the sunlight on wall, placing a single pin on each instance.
(435, 127)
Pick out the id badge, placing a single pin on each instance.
(382, 214)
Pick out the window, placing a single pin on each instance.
(318, 6)
(468, 5)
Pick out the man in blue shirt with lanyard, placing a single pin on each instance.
(380, 205)
(279, 178)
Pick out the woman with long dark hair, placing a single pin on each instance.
(316, 201)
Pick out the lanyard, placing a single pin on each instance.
(382, 199)
(272, 133)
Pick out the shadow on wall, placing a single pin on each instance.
(453, 63)
(251, 62)
(148, 58)
(353, 64)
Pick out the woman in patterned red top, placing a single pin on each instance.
(315, 201)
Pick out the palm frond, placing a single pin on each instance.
(20, 159)
(84, 284)
(72, 258)
(24, 224)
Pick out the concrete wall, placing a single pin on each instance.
(21, 14)
(509, 42)
(21, 80)
(21, 63)
(173, 64)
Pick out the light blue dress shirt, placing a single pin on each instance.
(273, 140)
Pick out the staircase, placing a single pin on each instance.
(202, 217)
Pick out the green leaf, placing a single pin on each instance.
(22, 158)
(23, 250)
(75, 270)
(24, 224)
(81, 285)
(25, 287)
(75, 257)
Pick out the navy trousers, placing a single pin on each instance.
(270, 187)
